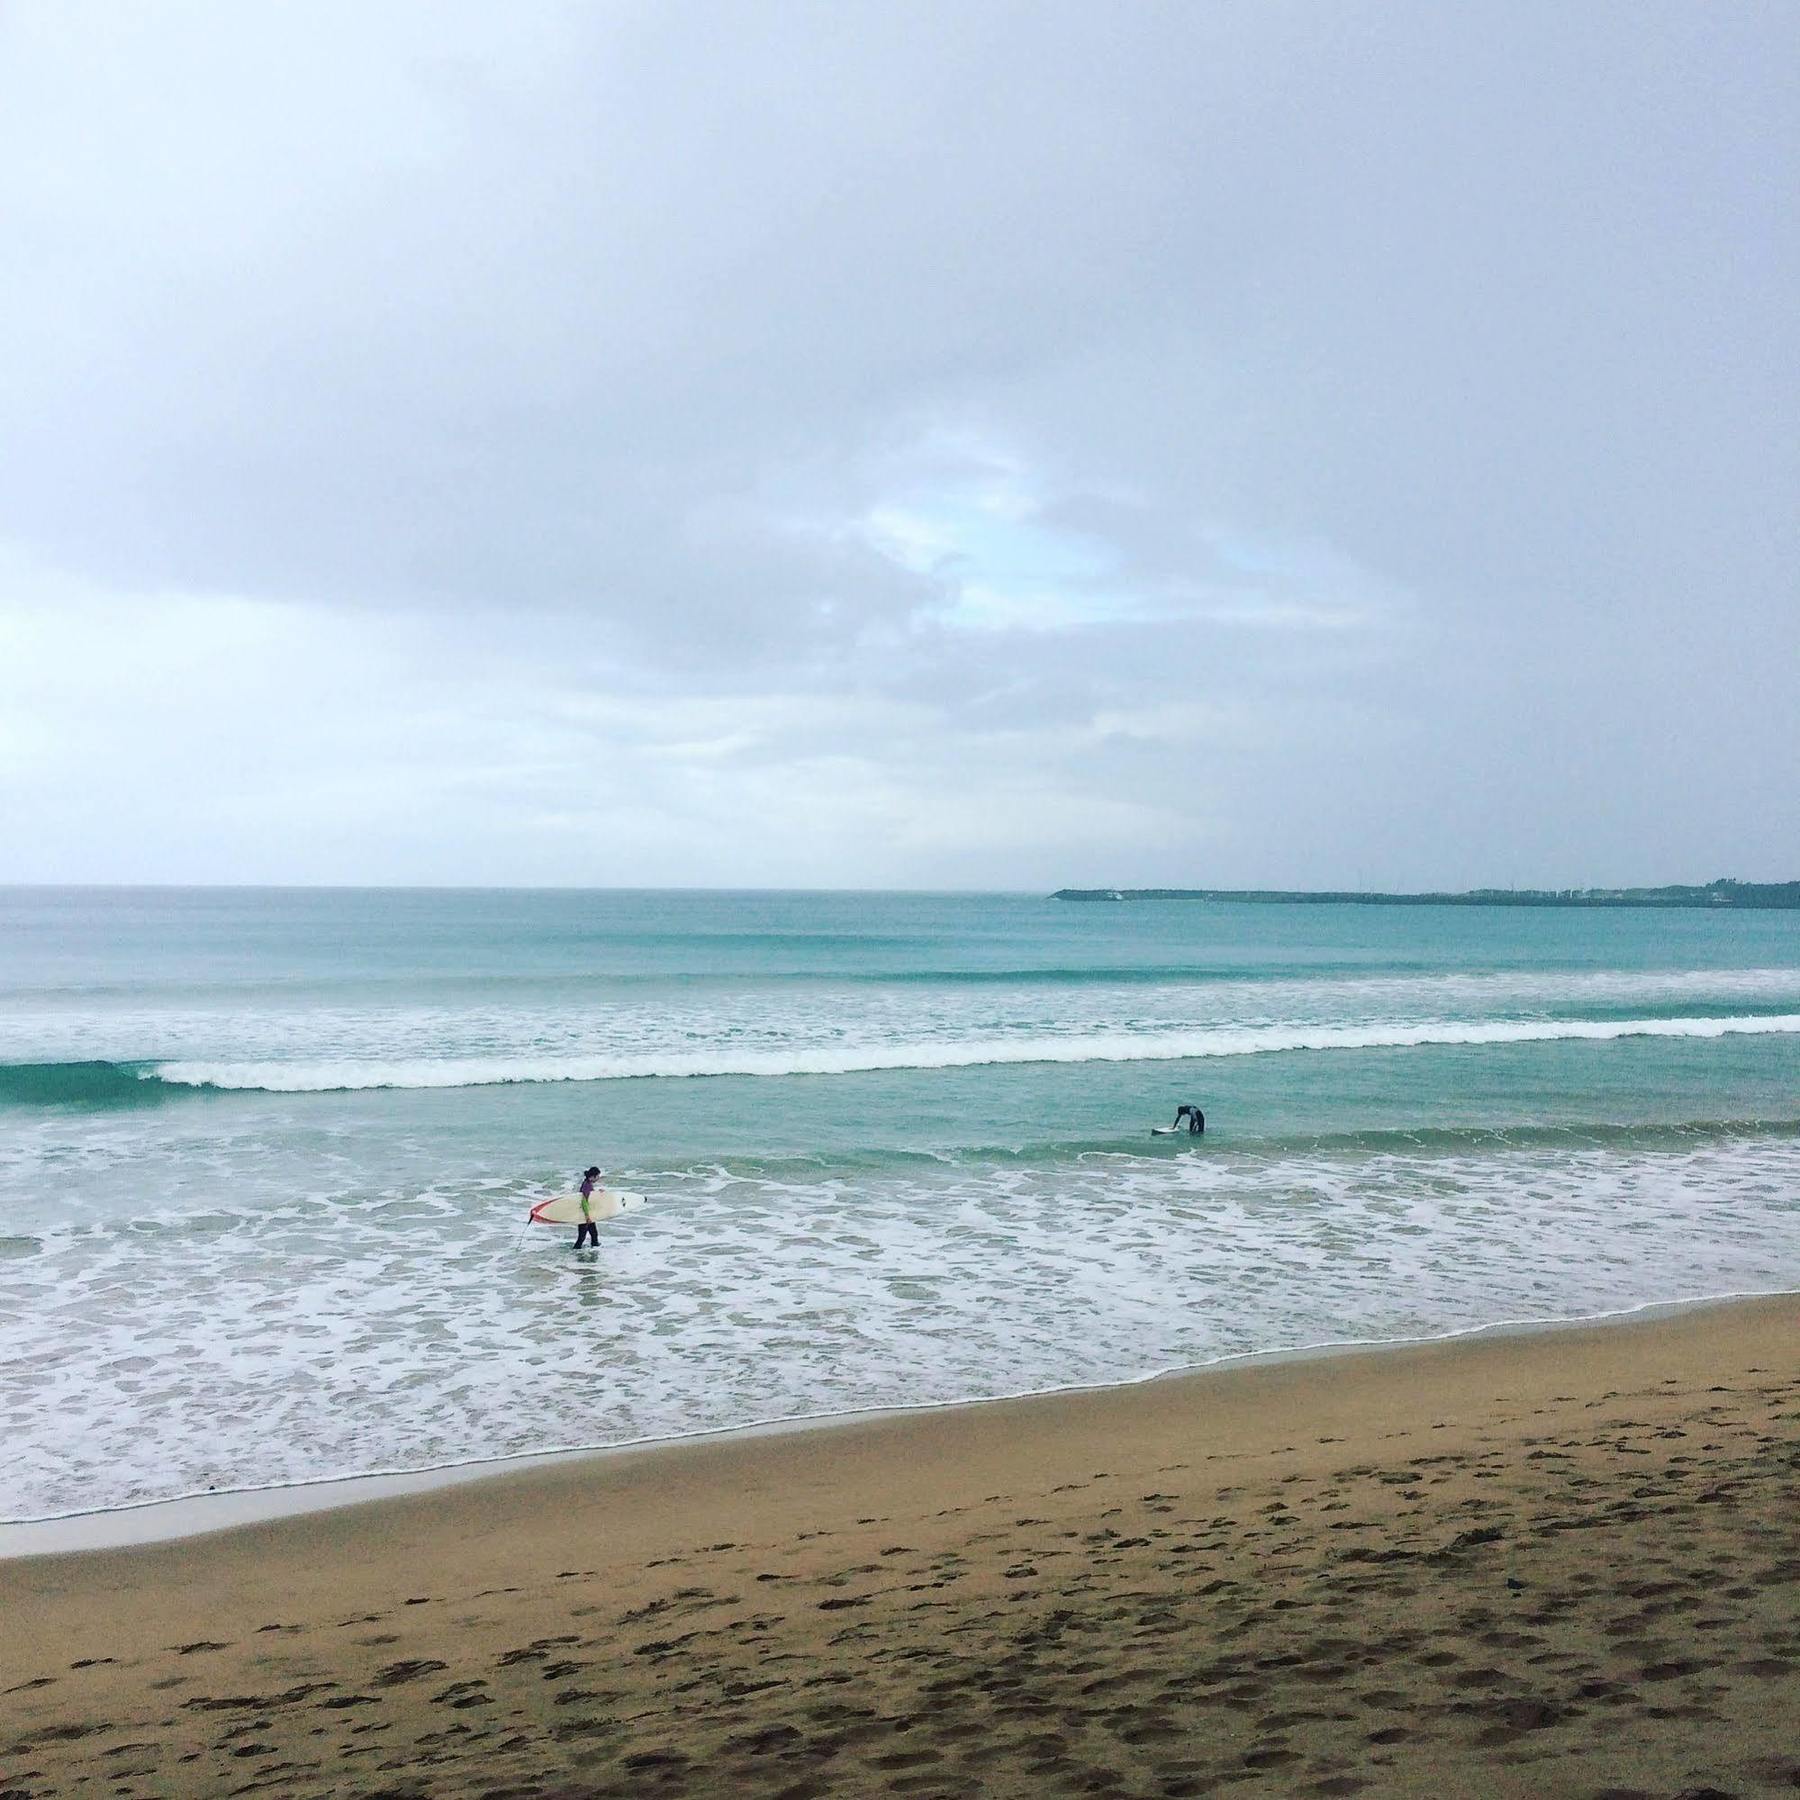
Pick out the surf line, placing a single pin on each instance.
(1176, 1046)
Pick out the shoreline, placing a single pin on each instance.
(179, 1517)
(1726, 895)
(1526, 1565)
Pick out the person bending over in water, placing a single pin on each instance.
(1196, 1119)
(587, 1232)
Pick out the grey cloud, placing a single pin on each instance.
(1423, 377)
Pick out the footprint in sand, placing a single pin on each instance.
(397, 1673)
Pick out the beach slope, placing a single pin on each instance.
(1564, 1563)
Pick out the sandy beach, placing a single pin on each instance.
(1563, 1563)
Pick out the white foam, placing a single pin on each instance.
(345, 1074)
(411, 1328)
(290, 1042)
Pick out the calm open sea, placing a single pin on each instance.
(265, 1156)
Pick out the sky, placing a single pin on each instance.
(899, 445)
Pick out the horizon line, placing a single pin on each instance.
(485, 887)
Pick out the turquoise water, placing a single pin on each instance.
(265, 1156)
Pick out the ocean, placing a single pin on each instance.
(266, 1156)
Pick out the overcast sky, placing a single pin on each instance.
(899, 444)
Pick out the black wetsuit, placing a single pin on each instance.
(586, 1231)
(1195, 1117)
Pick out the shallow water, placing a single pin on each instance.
(265, 1158)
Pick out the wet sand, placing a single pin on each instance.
(1555, 1564)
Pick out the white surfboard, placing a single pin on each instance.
(1166, 1130)
(565, 1209)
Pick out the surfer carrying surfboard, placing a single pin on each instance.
(587, 1232)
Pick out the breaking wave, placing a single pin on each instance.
(79, 1084)
(840, 1058)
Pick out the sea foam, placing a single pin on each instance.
(345, 1074)
(351, 1333)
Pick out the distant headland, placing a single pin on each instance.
(1742, 896)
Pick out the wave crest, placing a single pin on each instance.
(847, 1059)
(79, 1084)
